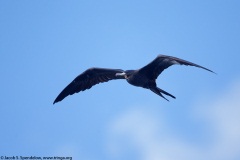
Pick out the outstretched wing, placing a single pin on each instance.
(88, 79)
(155, 68)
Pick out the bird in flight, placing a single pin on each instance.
(144, 77)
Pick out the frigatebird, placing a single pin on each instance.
(144, 77)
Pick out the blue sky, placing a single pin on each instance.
(45, 44)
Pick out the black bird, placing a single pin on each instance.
(144, 77)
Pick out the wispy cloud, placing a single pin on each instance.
(150, 138)
(223, 114)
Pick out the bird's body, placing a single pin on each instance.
(144, 77)
(135, 78)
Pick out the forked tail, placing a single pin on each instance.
(159, 92)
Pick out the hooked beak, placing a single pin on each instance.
(120, 74)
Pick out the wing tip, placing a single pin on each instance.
(212, 71)
(162, 55)
(208, 70)
(55, 101)
(59, 98)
